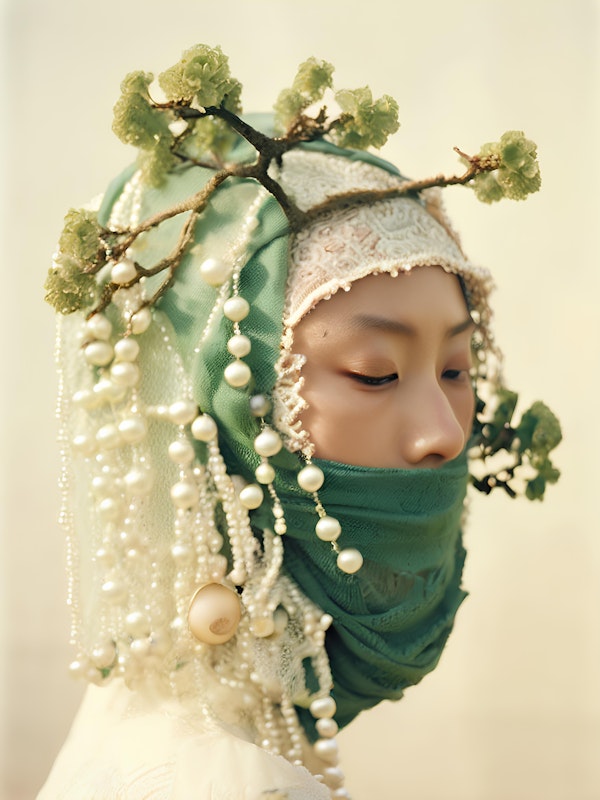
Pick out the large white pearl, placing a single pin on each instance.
(127, 349)
(140, 321)
(268, 443)
(237, 374)
(98, 353)
(204, 428)
(214, 271)
(310, 478)
(327, 749)
(326, 727)
(323, 707)
(264, 473)
(99, 326)
(349, 560)
(239, 345)
(214, 614)
(328, 529)
(184, 494)
(123, 272)
(251, 496)
(104, 655)
(236, 308)
(333, 776)
(182, 412)
(125, 373)
(181, 452)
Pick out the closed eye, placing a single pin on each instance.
(373, 380)
(455, 374)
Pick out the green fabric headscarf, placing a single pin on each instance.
(392, 619)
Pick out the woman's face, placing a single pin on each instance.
(387, 367)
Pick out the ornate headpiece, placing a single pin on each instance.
(180, 296)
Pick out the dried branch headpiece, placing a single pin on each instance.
(178, 489)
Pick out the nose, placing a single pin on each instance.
(431, 432)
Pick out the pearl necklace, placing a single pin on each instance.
(163, 602)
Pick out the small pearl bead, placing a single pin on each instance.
(106, 390)
(310, 478)
(133, 429)
(268, 443)
(123, 272)
(137, 624)
(181, 553)
(237, 374)
(239, 345)
(251, 496)
(103, 656)
(260, 405)
(181, 452)
(350, 560)
(214, 271)
(110, 509)
(323, 707)
(183, 412)
(326, 621)
(184, 495)
(334, 777)
(263, 627)
(114, 590)
(127, 349)
(264, 473)
(78, 669)
(138, 481)
(99, 354)
(327, 749)
(204, 428)
(99, 326)
(125, 373)
(140, 321)
(236, 308)
(84, 445)
(327, 727)
(328, 529)
(108, 436)
(84, 398)
(140, 647)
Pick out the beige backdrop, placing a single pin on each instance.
(513, 712)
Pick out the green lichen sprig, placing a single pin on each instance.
(199, 122)
(522, 450)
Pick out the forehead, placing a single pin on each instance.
(424, 296)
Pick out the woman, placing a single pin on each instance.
(266, 416)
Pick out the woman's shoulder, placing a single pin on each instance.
(148, 747)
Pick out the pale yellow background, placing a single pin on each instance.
(513, 712)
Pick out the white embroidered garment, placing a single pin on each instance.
(128, 745)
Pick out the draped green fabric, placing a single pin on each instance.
(391, 619)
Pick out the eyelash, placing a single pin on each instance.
(370, 380)
(383, 380)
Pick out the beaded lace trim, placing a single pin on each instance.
(390, 236)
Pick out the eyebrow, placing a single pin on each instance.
(372, 321)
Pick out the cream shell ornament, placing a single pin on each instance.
(214, 614)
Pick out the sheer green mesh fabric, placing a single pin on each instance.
(392, 619)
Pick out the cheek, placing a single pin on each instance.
(463, 405)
